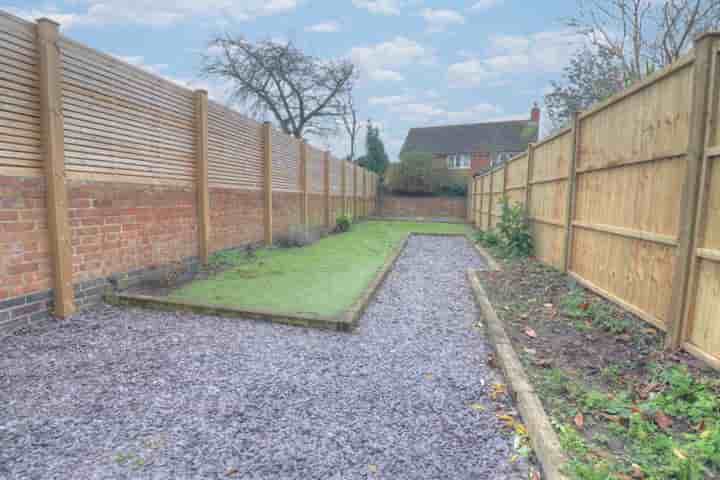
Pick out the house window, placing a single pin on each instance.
(458, 160)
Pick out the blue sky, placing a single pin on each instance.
(422, 62)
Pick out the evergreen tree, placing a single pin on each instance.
(375, 158)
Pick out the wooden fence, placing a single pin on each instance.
(86, 123)
(627, 200)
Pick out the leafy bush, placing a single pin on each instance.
(343, 224)
(488, 239)
(514, 230)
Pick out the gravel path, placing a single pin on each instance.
(138, 394)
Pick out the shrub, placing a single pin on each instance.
(488, 239)
(342, 224)
(514, 230)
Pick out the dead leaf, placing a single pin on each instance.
(492, 361)
(530, 332)
(637, 472)
(498, 390)
(543, 362)
(662, 420)
(373, 468)
(579, 421)
(584, 306)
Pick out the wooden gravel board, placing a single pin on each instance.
(542, 436)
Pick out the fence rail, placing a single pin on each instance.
(136, 171)
(627, 200)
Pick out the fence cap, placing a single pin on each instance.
(48, 20)
(703, 35)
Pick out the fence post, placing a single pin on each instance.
(326, 186)
(343, 187)
(52, 134)
(528, 179)
(354, 191)
(570, 200)
(685, 254)
(490, 200)
(364, 192)
(479, 210)
(203, 195)
(267, 172)
(303, 184)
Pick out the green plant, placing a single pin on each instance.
(514, 230)
(343, 224)
(575, 305)
(488, 239)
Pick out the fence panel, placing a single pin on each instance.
(235, 149)
(498, 187)
(20, 106)
(628, 191)
(516, 179)
(120, 120)
(548, 197)
(285, 162)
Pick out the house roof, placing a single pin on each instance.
(493, 137)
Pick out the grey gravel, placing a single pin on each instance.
(128, 393)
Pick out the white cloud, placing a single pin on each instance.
(381, 7)
(542, 52)
(324, 27)
(156, 13)
(381, 61)
(469, 73)
(389, 100)
(486, 4)
(431, 113)
(382, 75)
(439, 20)
(139, 61)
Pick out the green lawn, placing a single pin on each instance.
(323, 279)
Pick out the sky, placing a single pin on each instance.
(421, 62)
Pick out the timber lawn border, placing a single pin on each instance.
(543, 438)
(346, 321)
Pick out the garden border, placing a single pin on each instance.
(346, 321)
(544, 440)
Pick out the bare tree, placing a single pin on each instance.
(644, 34)
(300, 91)
(350, 122)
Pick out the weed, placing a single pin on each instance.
(514, 230)
(574, 304)
(343, 224)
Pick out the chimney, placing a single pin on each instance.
(535, 113)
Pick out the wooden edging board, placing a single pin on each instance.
(345, 322)
(542, 436)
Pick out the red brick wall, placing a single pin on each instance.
(123, 228)
(119, 227)
(286, 212)
(236, 217)
(437, 207)
(24, 244)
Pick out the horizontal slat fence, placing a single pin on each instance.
(627, 201)
(106, 168)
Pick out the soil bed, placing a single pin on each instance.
(622, 407)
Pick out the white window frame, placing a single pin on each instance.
(459, 161)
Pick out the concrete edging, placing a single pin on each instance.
(543, 438)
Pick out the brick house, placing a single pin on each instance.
(460, 151)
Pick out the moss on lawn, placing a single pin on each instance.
(322, 279)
